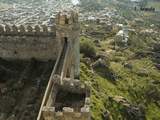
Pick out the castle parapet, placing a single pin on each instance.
(70, 101)
(37, 30)
(72, 84)
(26, 42)
(49, 113)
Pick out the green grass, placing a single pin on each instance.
(129, 85)
(153, 112)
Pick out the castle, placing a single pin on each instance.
(66, 98)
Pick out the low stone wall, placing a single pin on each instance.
(26, 42)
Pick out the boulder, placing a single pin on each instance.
(158, 66)
(128, 65)
(86, 60)
(134, 113)
(101, 66)
(96, 41)
(131, 112)
(120, 99)
(100, 63)
(102, 55)
(106, 115)
(143, 73)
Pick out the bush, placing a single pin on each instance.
(87, 48)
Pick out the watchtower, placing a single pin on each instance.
(66, 98)
(67, 32)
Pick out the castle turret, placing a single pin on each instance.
(66, 98)
(68, 30)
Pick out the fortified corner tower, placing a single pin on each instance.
(67, 32)
(66, 98)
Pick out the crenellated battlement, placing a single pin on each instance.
(69, 113)
(26, 42)
(70, 100)
(37, 30)
(72, 85)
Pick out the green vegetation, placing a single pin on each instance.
(87, 47)
(130, 84)
(137, 80)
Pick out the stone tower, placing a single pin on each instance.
(67, 30)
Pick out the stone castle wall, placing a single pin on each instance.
(69, 113)
(26, 42)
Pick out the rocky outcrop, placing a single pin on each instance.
(131, 112)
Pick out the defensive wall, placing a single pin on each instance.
(26, 42)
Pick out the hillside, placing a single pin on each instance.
(123, 70)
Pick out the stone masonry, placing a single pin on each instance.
(26, 42)
(66, 98)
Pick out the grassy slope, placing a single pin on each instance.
(129, 85)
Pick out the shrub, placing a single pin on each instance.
(87, 48)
